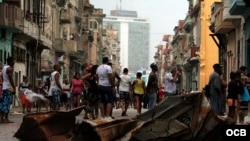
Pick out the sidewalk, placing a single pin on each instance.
(7, 130)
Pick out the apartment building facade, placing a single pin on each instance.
(41, 33)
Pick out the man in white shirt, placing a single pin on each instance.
(170, 80)
(124, 90)
(106, 88)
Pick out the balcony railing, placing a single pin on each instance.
(15, 17)
(98, 12)
(46, 39)
(11, 16)
(58, 45)
(30, 29)
(65, 16)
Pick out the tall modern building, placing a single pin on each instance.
(134, 37)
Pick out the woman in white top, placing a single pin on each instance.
(56, 87)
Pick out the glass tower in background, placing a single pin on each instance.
(134, 37)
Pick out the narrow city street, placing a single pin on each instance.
(191, 57)
(7, 130)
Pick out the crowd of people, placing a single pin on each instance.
(101, 89)
(233, 95)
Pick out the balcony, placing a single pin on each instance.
(188, 24)
(78, 18)
(98, 12)
(46, 39)
(30, 29)
(4, 14)
(15, 17)
(238, 7)
(226, 15)
(11, 16)
(65, 16)
(58, 45)
(79, 56)
(193, 51)
(70, 46)
(221, 26)
(192, 54)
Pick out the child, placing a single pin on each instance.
(244, 100)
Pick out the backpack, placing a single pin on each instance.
(207, 87)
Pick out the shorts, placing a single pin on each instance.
(56, 96)
(140, 96)
(6, 100)
(76, 94)
(23, 98)
(106, 94)
(124, 97)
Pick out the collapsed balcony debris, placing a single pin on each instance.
(49, 126)
(181, 117)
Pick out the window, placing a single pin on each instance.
(93, 24)
(113, 45)
(20, 54)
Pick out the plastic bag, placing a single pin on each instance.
(32, 96)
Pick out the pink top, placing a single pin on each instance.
(77, 86)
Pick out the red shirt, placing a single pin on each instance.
(77, 85)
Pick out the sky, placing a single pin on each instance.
(162, 14)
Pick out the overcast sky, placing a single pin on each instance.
(162, 14)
